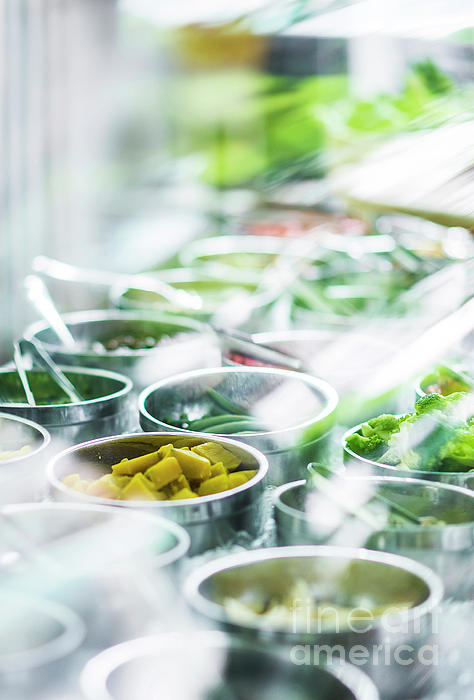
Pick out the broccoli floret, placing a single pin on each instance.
(410, 460)
(431, 402)
(391, 457)
(369, 447)
(383, 426)
(457, 454)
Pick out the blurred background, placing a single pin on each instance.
(129, 128)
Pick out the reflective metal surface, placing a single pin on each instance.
(357, 578)
(304, 407)
(22, 477)
(211, 521)
(183, 343)
(216, 666)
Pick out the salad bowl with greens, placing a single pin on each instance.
(435, 441)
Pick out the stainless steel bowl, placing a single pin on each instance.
(186, 343)
(464, 479)
(240, 253)
(447, 549)
(214, 292)
(303, 407)
(83, 555)
(21, 477)
(215, 666)
(211, 521)
(37, 644)
(106, 409)
(356, 578)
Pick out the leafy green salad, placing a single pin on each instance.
(438, 436)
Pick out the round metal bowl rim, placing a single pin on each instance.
(330, 395)
(107, 374)
(215, 611)
(183, 540)
(389, 466)
(70, 638)
(97, 315)
(243, 243)
(26, 421)
(94, 675)
(300, 515)
(260, 458)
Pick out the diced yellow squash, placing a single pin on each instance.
(216, 453)
(249, 473)
(139, 489)
(214, 485)
(166, 450)
(183, 493)
(130, 467)
(195, 467)
(160, 496)
(237, 479)
(72, 480)
(180, 483)
(104, 487)
(217, 469)
(164, 472)
(121, 481)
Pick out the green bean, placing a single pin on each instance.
(209, 421)
(226, 404)
(236, 427)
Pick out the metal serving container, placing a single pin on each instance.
(447, 549)
(106, 410)
(21, 477)
(213, 291)
(38, 640)
(211, 521)
(355, 578)
(186, 343)
(464, 479)
(242, 253)
(274, 395)
(339, 356)
(215, 666)
(83, 555)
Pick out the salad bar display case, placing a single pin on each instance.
(237, 350)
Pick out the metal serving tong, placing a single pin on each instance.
(39, 356)
(243, 342)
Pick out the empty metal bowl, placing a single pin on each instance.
(106, 408)
(211, 521)
(202, 665)
(447, 548)
(226, 590)
(464, 479)
(37, 643)
(183, 343)
(21, 475)
(298, 411)
(92, 558)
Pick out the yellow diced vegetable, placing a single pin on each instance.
(214, 485)
(164, 472)
(216, 453)
(103, 487)
(195, 467)
(121, 481)
(237, 479)
(139, 489)
(166, 450)
(249, 473)
(130, 467)
(217, 469)
(183, 493)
